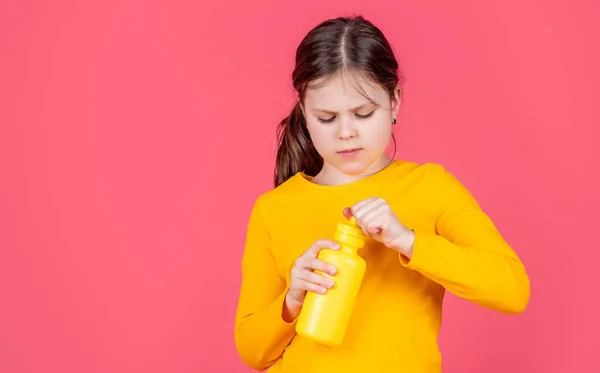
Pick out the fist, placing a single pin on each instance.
(377, 220)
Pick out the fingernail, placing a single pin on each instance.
(330, 283)
(322, 291)
(333, 270)
(336, 245)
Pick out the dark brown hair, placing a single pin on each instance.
(336, 46)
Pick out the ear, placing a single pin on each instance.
(397, 101)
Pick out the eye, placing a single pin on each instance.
(328, 120)
(365, 116)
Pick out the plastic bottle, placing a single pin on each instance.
(324, 317)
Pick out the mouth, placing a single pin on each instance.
(349, 152)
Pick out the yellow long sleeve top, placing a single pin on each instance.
(397, 316)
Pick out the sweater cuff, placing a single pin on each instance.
(421, 252)
(282, 328)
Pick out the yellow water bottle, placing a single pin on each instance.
(324, 317)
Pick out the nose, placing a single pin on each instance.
(346, 129)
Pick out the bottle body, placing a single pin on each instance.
(325, 317)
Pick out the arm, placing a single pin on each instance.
(261, 334)
(468, 256)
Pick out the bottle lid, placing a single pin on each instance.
(350, 233)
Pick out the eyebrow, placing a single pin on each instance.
(353, 109)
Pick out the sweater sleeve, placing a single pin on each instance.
(261, 334)
(467, 255)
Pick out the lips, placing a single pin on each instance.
(349, 152)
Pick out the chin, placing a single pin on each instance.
(354, 167)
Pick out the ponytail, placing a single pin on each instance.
(296, 151)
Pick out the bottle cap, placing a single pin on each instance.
(350, 233)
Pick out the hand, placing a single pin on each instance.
(303, 277)
(376, 219)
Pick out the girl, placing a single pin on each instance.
(427, 233)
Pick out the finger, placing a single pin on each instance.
(321, 244)
(317, 279)
(347, 213)
(370, 227)
(373, 229)
(319, 265)
(376, 220)
(296, 272)
(359, 208)
(362, 203)
(379, 211)
(310, 286)
(360, 211)
(376, 206)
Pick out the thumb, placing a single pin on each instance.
(348, 213)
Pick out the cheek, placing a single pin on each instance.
(320, 136)
(379, 133)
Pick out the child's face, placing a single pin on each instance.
(353, 123)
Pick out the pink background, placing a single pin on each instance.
(135, 135)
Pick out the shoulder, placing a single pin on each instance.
(444, 187)
(278, 196)
(435, 179)
(425, 172)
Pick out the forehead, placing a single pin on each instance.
(343, 91)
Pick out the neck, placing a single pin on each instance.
(330, 175)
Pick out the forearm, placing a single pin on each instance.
(489, 276)
(291, 309)
(261, 336)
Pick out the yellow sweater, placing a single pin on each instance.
(397, 316)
